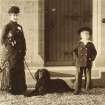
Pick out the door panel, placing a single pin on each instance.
(63, 18)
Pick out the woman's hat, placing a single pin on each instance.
(14, 9)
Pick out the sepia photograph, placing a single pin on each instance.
(52, 52)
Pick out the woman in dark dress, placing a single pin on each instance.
(15, 49)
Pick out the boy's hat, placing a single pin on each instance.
(14, 9)
(85, 29)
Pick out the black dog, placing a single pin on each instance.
(46, 85)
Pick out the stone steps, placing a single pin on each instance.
(68, 74)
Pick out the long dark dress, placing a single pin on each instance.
(14, 42)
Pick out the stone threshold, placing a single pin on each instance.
(96, 71)
(98, 80)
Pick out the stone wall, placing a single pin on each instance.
(100, 61)
(28, 18)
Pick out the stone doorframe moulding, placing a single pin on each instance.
(97, 25)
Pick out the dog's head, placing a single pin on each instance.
(42, 74)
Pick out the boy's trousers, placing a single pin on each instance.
(79, 74)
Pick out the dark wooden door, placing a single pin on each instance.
(63, 18)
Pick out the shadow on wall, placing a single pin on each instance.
(99, 82)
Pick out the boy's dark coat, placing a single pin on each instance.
(84, 55)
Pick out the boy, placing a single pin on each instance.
(85, 53)
(14, 42)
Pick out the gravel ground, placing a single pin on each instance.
(96, 97)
